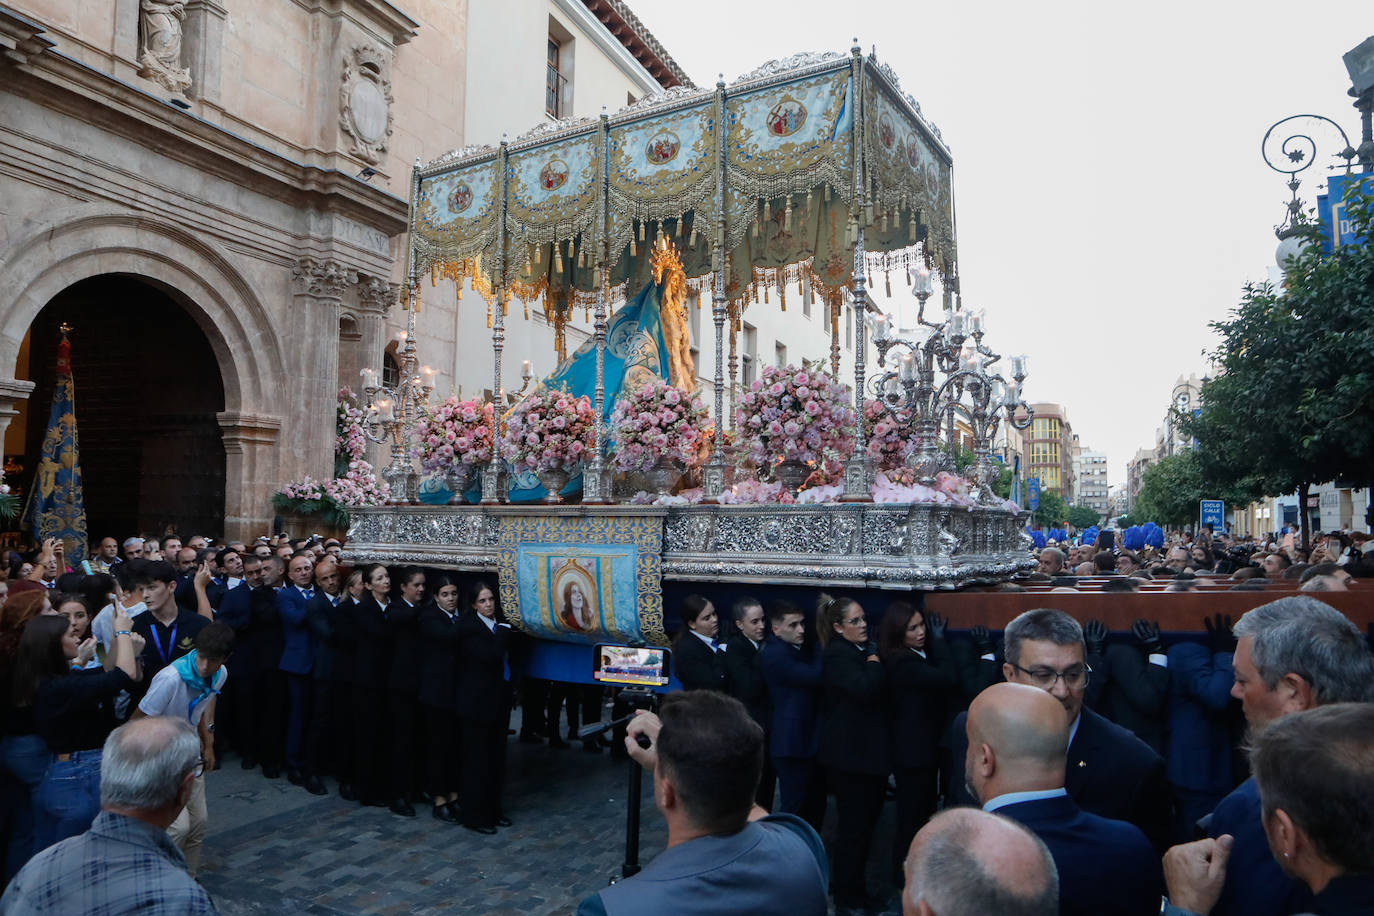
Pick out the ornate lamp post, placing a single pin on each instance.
(391, 411)
(910, 394)
(1294, 155)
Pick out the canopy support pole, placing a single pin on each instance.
(594, 489)
(713, 474)
(491, 474)
(856, 467)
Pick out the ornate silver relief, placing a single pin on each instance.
(471, 151)
(795, 62)
(159, 53)
(365, 103)
(665, 99)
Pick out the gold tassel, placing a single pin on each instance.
(884, 221)
(827, 193)
(693, 242)
(767, 212)
(765, 293)
(526, 304)
(754, 228)
(911, 228)
(488, 316)
(787, 216)
(678, 233)
(586, 314)
(538, 253)
(632, 246)
(782, 294)
(558, 257)
(458, 286)
(641, 230)
(870, 279)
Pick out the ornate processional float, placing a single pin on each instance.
(815, 170)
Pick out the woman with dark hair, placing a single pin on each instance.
(74, 712)
(854, 748)
(24, 755)
(439, 697)
(370, 669)
(483, 698)
(920, 674)
(698, 659)
(78, 614)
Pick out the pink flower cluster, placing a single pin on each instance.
(305, 488)
(358, 486)
(454, 434)
(795, 413)
(549, 429)
(657, 420)
(755, 491)
(901, 487)
(348, 427)
(890, 440)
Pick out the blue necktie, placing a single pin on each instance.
(308, 592)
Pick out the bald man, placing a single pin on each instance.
(965, 862)
(1018, 742)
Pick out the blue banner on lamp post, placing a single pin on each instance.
(1033, 493)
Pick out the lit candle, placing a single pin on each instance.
(1018, 367)
(428, 374)
(1013, 395)
(956, 324)
(996, 392)
(526, 370)
(908, 368)
(369, 378)
(384, 411)
(401, 335)
(975, 322)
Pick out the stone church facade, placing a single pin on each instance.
(172, 170)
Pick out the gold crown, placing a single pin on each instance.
(664, 258)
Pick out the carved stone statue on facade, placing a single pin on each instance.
(159, 57)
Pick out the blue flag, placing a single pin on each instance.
(55, 507)
(635, 353)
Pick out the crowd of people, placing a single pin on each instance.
(1110, 767)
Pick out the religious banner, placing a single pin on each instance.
(583, 579)
(56, 508)
(457, 214)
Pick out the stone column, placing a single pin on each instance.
(13, 392)
(204, 40)
(375, 298)
(311, 337)
(250, 473)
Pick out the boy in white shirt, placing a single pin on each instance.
(188, 688)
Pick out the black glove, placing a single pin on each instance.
(1095, 635)
(1148, 634)
(1219, 635)
(982, 640)
(935, 625)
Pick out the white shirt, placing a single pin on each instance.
(1013, 798)
(489, 621)
(710, 643)
(102, 627)
(169, 695)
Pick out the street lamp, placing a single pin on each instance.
(1296, 154)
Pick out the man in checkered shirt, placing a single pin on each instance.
(125, 863)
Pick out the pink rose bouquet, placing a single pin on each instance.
(890, 439)
(349, 442)
(548, 430)
(454, 434)
(795, 414)
(657, 421)
(359, 486)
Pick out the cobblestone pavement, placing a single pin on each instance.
(274, 848)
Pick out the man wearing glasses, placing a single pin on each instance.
(1111, 772)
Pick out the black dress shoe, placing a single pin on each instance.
(442, 813)
(402, 807)
(295, 777)
(373, 802)
(503, 821)
(347, 792)
(485, 831)
(315, 786)
(248, 762)
(271, 772)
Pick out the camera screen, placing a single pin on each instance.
(642, 667)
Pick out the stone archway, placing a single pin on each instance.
(81, 243)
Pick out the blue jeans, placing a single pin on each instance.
(68, 798)
(24, 759)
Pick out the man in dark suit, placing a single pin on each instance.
(792, 672)
(744, 681)
(1017, 746)
(1134, 680)
(322, 618)
(295, 662)
(1293, 654)
(1111, 772)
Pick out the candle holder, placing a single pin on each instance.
(954, 349)
(390, 413)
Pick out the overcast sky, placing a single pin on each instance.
(1111, 198)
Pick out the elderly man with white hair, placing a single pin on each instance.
(126, 862)
(966, 862)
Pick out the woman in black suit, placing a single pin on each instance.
(920, 675)
(698, 657)
(371, 666)
(483, 698)
(439, 697)
(853, 741)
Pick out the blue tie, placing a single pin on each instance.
(308, 592)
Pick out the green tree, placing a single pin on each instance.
(1170, 490)
(1053, 511)
(1294, 403)
(1125, 521)
(1083, 517)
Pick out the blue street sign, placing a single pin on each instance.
(1331, 213)
(1211, 512)
(1033, 493)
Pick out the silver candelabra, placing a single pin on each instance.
(954, 349)
(392, 411)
